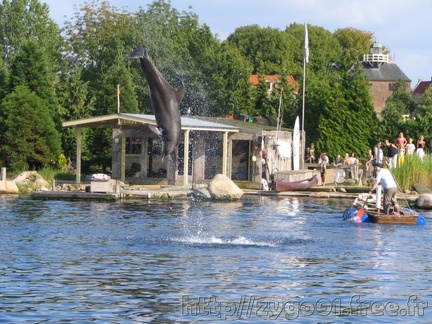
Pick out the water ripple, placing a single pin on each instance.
(137, 261)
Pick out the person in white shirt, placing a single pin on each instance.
(385, 178)
(378, 153)
(410, 147)
(354, 162)
(337, 170)
(323, 161)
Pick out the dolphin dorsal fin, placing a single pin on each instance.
(155, 130)
(180, 93)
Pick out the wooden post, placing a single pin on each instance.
(3, 175)
(198, 160)
(123, 157)
(225, 154)
(78, 154)
(186, 158)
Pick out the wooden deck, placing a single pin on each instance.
(155, 192)
(74, 195)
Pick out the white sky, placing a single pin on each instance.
(402, 26)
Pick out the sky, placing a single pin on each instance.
(401, 26)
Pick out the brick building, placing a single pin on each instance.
(382, 75)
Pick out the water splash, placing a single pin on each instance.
(240, 240)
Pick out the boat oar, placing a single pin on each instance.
(361, 210)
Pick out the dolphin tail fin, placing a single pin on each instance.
(139, 52)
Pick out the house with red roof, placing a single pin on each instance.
(419, 90)
(272, 80)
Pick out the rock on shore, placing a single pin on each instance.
(8, 187)
(424, 201)
(25, 178)
(223, 188)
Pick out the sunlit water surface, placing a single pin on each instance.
(256, 260)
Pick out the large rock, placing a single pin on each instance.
(424, 201)
(223, 188)
(32, 178)
(422, 189)
(8, 187)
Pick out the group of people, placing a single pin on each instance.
(383, 176)
(351, 160)
(323, 160)
(375, 162)
(397, 150)
(396, 154)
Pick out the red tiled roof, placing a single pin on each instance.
(421, 87)
(254, 79)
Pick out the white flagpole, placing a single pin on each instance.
(279, 122)
(305, 61)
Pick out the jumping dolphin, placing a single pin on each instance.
(165, 102)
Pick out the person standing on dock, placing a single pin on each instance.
(323, 161)
(392, 154)
(378, 153)
(337, 169)
(385, 178)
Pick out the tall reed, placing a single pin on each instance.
(413, 170)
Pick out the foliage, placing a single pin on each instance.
(28, 139)
(29, 20)
(30, 68)
(266, 49)
(4, 79)
(397, 105)
(413, 170)
(28, 130)
(75, 102)
(87, 62)
(354, 43)
(228, 83)
(349, 111)
(424, 115)
(62, 162)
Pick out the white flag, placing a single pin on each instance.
(306, 45)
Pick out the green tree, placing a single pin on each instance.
(29, 19)
(422, 124)
(397, 105)
(29, 138)
(268, 50)
(75, 103)
(228, 82)
(4, 79)
(354, 43)
(30, 68)
(99, 38)
(116, 83)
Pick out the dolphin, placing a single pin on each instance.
(165, 102)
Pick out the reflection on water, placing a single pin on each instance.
(186, 261)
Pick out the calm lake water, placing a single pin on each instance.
(258, 260)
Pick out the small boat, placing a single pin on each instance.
(405, 217)
(364, 210)
(282, 185)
